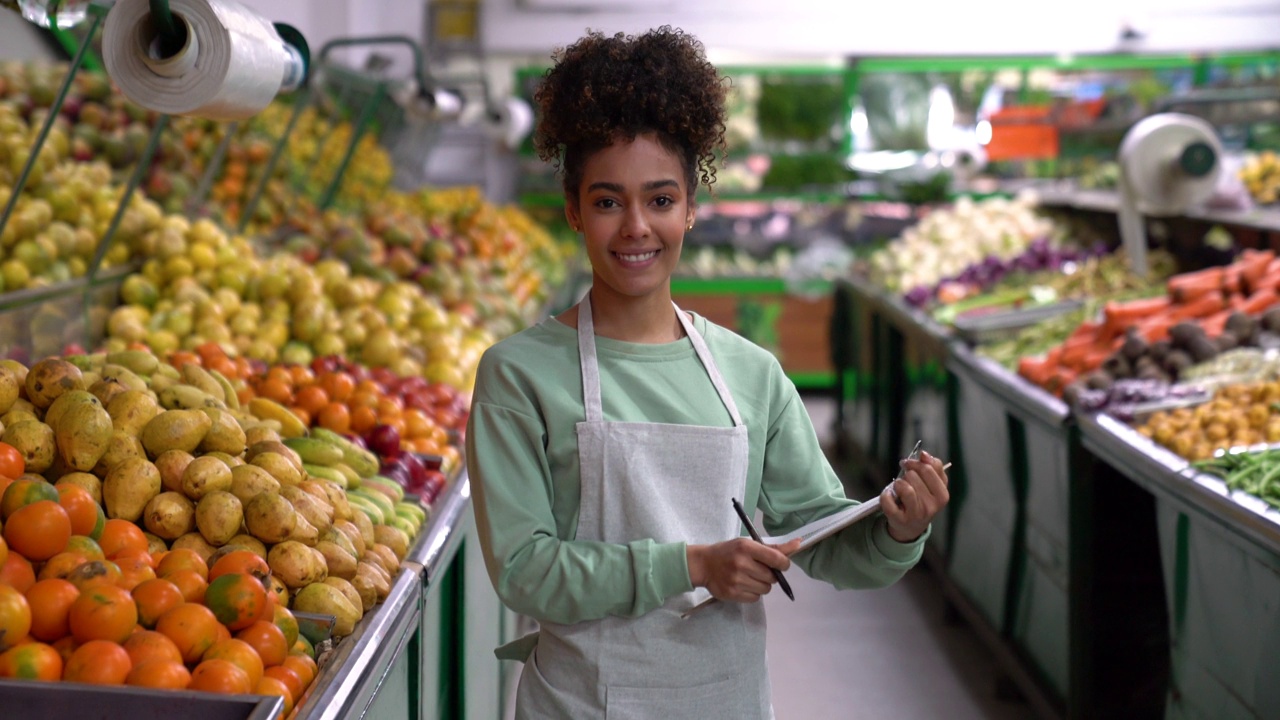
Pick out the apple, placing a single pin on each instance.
(384, 440)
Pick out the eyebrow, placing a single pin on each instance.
(647, 187)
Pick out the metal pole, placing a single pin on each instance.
(250, 207)
(197, 199)
(135, 179)
(366, 116)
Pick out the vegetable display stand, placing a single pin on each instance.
(1219, 553)
(793, 327)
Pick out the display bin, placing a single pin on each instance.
(33, 700)
(1038, 450)
(1219, 553)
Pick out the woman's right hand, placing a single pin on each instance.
(739, 569)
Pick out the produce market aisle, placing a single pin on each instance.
(876, 654)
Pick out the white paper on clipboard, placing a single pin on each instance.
(827, 526)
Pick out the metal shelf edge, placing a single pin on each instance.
(1165, 474)
(1027, 401)
(366, 654)
(442, 529)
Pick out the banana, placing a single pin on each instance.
(366, 506)
(411, 511)
(353, 478)
(229, 394)
(378, 481)
(364, 462)
(267, 409)
(160, 383)
(405, 525)
(188, 397)
(195, 375)
(123, 375)
(384, 503)
(166, 370)
(138, 361)
(315, 451)
(326, 473)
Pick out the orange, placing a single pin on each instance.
(62, 565)
(303, 416)
(275, 686)
(86, 515)
(33, 661)
(363, 419)
(39, 530)
(336, 417)
(17, 573)
(390, 406)
(240, 561)
(4, 551)
(276, 389)
(94, 572)
(65, 647)
(220, 676)
(135, 568)
(238, 653)
(165, 675)
(288, 624)
(15, 616)
(290, 678)
(225, 366)
(103, 612)
(23, 492)
(222, 633)
(338, 386)
(51, 602)
(12, 462)
(366, 387)
(154, 598)
(237, 600)
(99, 662)
(121, 536)
(182, 559)
(150, 646)
(417, 424)
(304, 666)
(365, 399)
(268, 640)
(313, 399)
(86, 546)
(301, 376)
(191, 584)
(280, 374)
(303, 646)
(179, 358)
(193, 628)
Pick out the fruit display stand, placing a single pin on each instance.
(1219, 558)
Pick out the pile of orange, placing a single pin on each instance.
(83, 599)
(337, 401)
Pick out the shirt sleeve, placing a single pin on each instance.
(534, 571)
(799, 486)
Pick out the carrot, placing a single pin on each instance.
(1074, 351)
(1215, 324)
(1059, 381)
(1095, 357)
(1259, 301)
(1036, 370)
(1270, 280)
(1235, 301)
(1232, 279)
(1126, 314)
(1202, 306)
(1054, 356)
(1253, 266)
(1156, 328)
(1086, 329)
(1188, 286)
(1273, 266)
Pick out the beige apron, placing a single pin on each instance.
(670, 483)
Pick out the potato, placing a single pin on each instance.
(260, 433)
(393, 538)
(175, 430)
(10, 389)
(365, 526)
(317, 511)
(352, 533)
(304, 532)
(339, 538)
(348, 590)
(51, 378)
(386, 558)
(195, 541)
(248, 481)
(318, 597)
(341, 563)
(84, 434)
(368, 593)
(250, 543)
(34, 440)
(121, 447)
(280, 467)
(377, 575)
(276, 447)
(155, 544)
(131, 410)
(225, 434)
(54, 414)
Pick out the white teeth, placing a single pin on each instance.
(638, 258)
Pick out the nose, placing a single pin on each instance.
(635, 224)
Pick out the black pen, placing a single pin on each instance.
(737, 507)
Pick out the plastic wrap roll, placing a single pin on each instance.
(231, 66)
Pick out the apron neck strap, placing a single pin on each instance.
(588, 358)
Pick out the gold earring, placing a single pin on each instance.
(690, 226)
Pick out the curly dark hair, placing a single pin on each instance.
(604, 88)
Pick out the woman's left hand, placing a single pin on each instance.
(921, 493)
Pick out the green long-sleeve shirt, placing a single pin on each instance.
(522, 456)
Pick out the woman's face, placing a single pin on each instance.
(633, 208)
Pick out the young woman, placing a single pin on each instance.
(605, 444)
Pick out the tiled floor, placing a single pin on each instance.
(876, 653)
